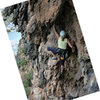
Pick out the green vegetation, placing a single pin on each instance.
(27, 91)
(21, 63)
(21, 51)
(28, 78)
(42, 98)
(8, 19)
(27, 82)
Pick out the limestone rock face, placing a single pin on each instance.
(35, 19)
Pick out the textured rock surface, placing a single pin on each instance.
(35, 20)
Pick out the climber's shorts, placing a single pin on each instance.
(53, 50)
(58, 51)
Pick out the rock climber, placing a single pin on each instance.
(62, 46)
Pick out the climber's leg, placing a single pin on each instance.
(62, 68)
(52, 51)
(62, 63)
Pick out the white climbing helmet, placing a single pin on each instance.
(62, 33)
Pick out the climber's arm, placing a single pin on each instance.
(69, 43)
(57, 35)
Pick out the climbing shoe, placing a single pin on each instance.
(54, 58)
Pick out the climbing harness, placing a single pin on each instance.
(62, 57)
